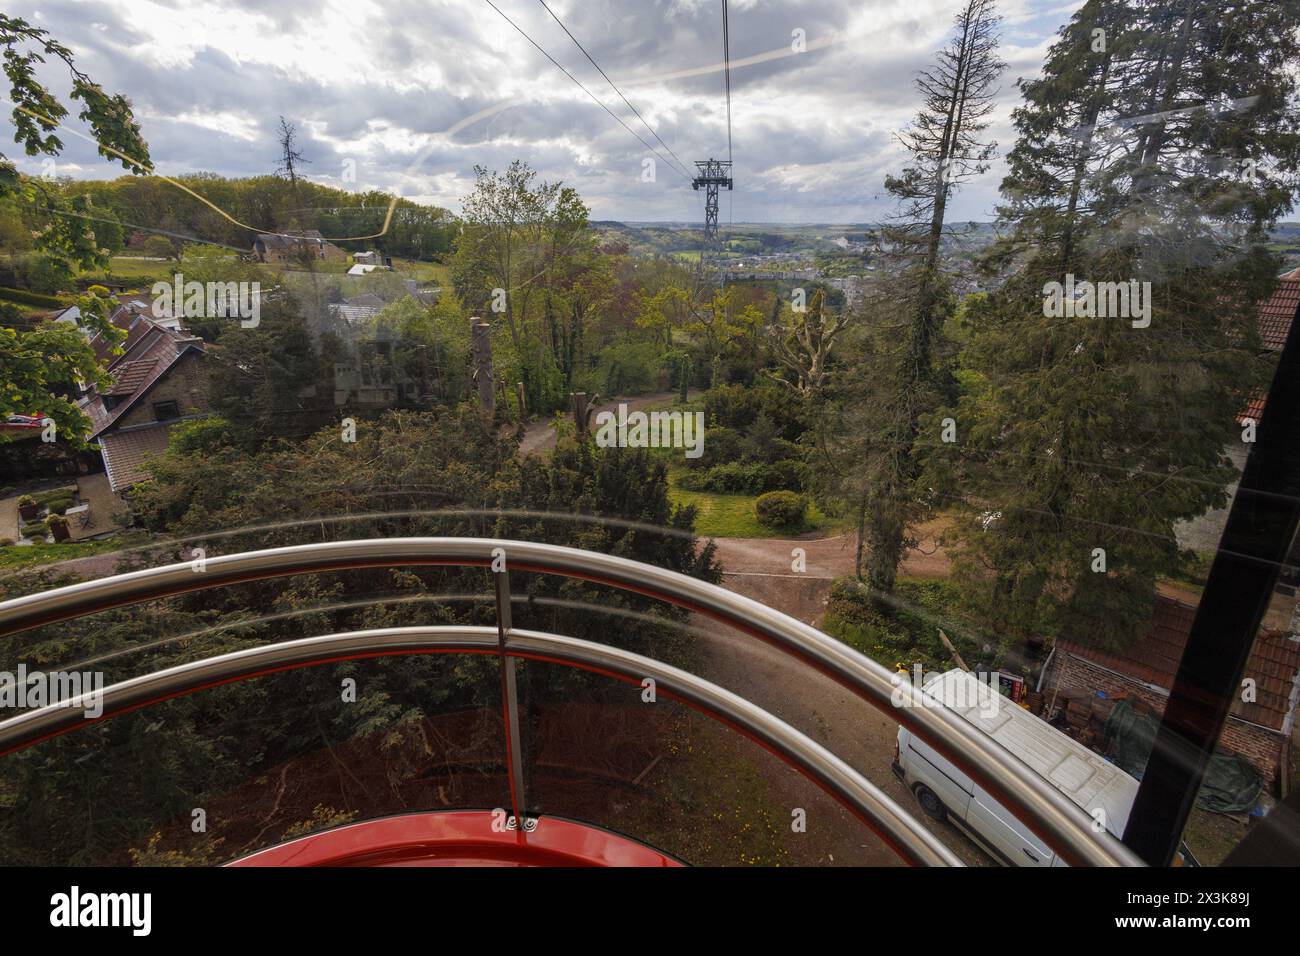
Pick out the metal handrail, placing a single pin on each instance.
(868, 803)
(1048, 812)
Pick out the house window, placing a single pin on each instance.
(166, 411)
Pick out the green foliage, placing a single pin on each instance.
(908, 633)
(266, 203)
(1084, 433)
(268, 382)
(527, 260)
(65, 234)
(739, 407)
(60, 504)
(157, 247)
(754, 478)
(627, 368)
(37, 299)
(430, 345)
(36, 529)
(43, 366)
(781, 509)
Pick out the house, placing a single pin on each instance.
(371, 258)
(1145, 670)
(1275, 318)
(357, 310)
(296, 246)
(156, 383)
(425, 295)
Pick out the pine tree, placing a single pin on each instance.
(1160, 157)
(889, 390)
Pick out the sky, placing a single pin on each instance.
(410, 95)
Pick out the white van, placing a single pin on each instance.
(944, 792)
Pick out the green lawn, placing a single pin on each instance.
(134, 267)
(732, 516)
(423, 271)
(17, 559)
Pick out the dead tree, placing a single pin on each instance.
(290, 156)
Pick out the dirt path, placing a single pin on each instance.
(814, 704)
(760, 568)
(830, 557)
(540, 436)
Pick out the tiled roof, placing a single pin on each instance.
(1274, 661)
(1275, 318)
(130, 320)
(125, 453)
(1277, 314)
(1254, 410)
(149, 359)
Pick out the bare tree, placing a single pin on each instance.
(290, 156)
(802, 344)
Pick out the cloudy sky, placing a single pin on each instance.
(412, 94)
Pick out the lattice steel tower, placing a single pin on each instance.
(713, 173)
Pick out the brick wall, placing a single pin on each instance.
(183, 384)
(1070, 674)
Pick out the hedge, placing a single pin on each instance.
(23, 297)
(757, 478)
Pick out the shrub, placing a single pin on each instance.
(36, 529)
(737, 478)
(781, 509)
(721, 445)
(25, 501)
(739, 407)
(25, 297)
(60, 504)
(45, 498)
(906, 633)
(6, 542)
(732, 478)
(786, 475)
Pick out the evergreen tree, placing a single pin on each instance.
(1158, 156)
(886, 395)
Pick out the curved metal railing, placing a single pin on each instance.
(1047, 811)
(902, 832)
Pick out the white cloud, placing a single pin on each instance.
(381, 82)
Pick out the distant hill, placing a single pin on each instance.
(685, 239)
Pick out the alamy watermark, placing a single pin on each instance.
(209, 300)
(24, 689)
(653, 430)
(982, 693)
(75, 908)
(1098, 300)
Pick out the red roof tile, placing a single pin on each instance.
(1275, 318)
(126, 452)
(1277, 314)
(1274, 662)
